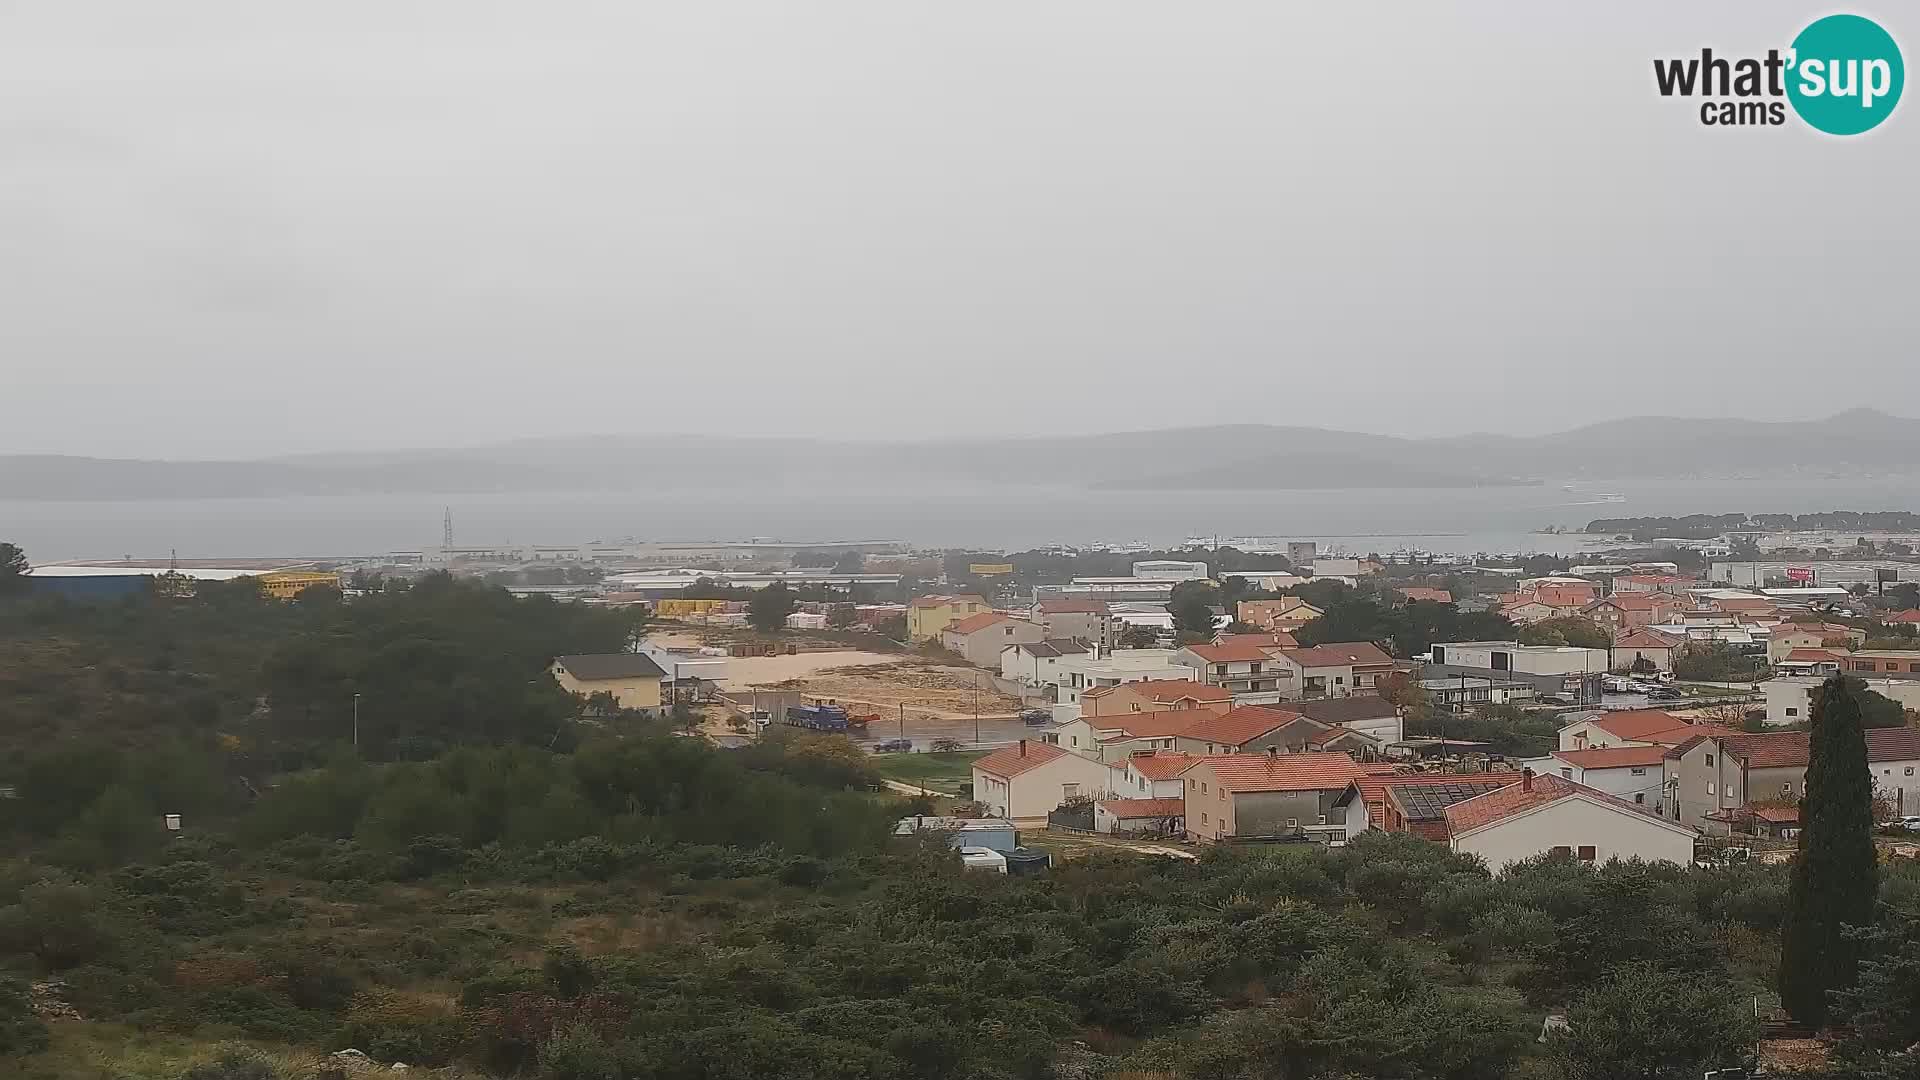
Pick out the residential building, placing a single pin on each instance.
(1708, 775)
(1774, 821)
(1267, 796)
(1551, 815)
(1622, 613)
(1329, 566)
(1817, 662)
(1528, 612)
(1556, 671)
(632, 679)
(1882, 663)
(1410, 593)
(1037, 663)
(1287, 613)
(1336, 669)
(1239, 669)
(1368, 714)
(1153, 695)
(1635, 649)
(1089, 621)
(927, 616)
(979, 638)
(1026, 781)
(1092, 671)
(287, 584)
(1140, 817)
(1636, 774)
(1117, 737)
(1153, 774)
(1257, 729)
(1412, 802)
(1672, 584)
(1788, 636)
(1272, 639)
(1790, 698)
(1632, 727)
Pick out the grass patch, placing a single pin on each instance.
(936, 772)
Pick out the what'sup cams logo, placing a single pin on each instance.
(1842, 75)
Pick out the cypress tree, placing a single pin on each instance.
(1835, 871)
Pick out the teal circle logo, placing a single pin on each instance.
(1846, 75)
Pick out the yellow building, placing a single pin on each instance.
(287, 584)
(632, 679)
(928, 615)
(677, 608)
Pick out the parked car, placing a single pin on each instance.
(893, 746)
(1911, 823)
(1036, 717)
(1664, 693)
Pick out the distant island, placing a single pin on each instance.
(1708, 526)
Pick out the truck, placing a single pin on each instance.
(816, 717)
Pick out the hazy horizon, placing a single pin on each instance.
(241, 232)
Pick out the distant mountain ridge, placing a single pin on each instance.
(1251, 457)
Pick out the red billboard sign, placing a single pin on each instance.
(1799, 573)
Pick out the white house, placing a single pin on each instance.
(1025, 781)
(1635, 774)
(1790, 698)
(1153, 774)
(1548, 814)
(1037, 663)
(1086, 671)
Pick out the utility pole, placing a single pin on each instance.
(356, 722)
(903, 719)
(976, 712)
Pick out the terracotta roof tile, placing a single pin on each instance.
(1010, 761)
(973, 623)
(1614, 757)
(1150, 725)
(1505, 802)
(1161, 764)
(1893, 744)
(1645, 639)
(1161, 690)
(1237, 727)
(1415, 592)
(1769, 749)
(1278, 639)
(1145, 808)
(1248, 773)
(1812, 656)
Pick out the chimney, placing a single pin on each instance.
(1023, 749)
(1526, 779)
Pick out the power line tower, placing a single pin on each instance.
(446, 528)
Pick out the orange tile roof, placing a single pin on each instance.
(1645, 639)
(973, 623)
(1229, 654)
(1373, 787)
(1563, 596)
(1633, 601)
(1145, 808)
(1903, 617)
(1149, 725)
(1769, 749)
(1249, 773)
(1160, 764)
(1338, 654)
(1613, 757)
(1237, 727)
(1010, 761)
(1779, 815)
(1514, 799)
(1637, 724)
(1812, 656)
(1415, 592)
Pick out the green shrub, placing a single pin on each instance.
(233, 1063)
(21, 1032)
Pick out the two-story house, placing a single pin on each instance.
(1336, 669)
(1267, 795)
(1241, 669)
(928, 615)
(979, 638)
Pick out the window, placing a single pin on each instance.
(1339, 680)
(1791, 711)
(1587, 853)
(1909, 770)
(1640, 771)
(1786, 788)
(1323, 819)
(1203, 788)
(1069, 791)
(1640, 797)
(1293, 823)
(1562, 849)
(1709, 760)
(1223, 795)
(1568, 773)
(1709, 787)
(1203, 817)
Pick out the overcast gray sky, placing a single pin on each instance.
(235, 228)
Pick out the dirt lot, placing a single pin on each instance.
(928, 690)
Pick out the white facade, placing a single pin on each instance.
(1576, 822)
(1790, 698)
(1035, 792)
(1170, 570)
(1326, 567)
(1525, 659)
(1077, 674)
(1637, 784)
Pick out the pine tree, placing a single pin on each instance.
(1835, 870)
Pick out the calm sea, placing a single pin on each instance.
(1468, 520)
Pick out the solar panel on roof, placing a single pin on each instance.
(1425, 802)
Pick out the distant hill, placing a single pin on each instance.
(1240, 456)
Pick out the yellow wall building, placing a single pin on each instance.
(632, 679)
(928, 615)
(287, 584)
(676, 608)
